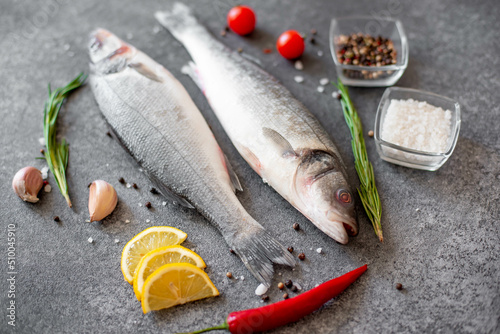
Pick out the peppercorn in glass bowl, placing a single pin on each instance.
(420, 119)
(368, 51)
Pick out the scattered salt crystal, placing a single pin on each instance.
(299, 65)
(320, 53)
(128, 185)
(130, 35)
(316, 285)
(417, 209)
(298, 286)
(164, 203)
(90, 240)
(117, 241)
(141, 170)
(47, 188)
(66, 47)
(319, 250)
(41, 141)
(242, 278)
(156, 29)
(298, 79)
(140, 204)
(45, 172)
(261, 289)
(324, 81)
(311, 248)
(320, 89)
(87, 220)
(107, 165)
(335, 95)
(279, 274)
(127, 221)
(148, 221)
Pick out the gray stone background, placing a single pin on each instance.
(446, 255)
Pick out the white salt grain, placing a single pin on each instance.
(140, 204)
(417, 125)
(164, 203)
(90, 240)
(299, 65)
(321, 89)
(319, 250)
(242, 278)
(117, 241)
(324, 81)
(320, 53)
(298, 79)
(41, 140)
(45, 172)
(127, 221)
(128, 185)
(148, 221)
(261, 289)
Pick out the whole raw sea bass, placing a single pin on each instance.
(160, 126)
(275, 133)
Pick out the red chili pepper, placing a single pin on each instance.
(286, 311)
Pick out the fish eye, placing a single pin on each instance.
(344, 196)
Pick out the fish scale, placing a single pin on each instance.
(156, 121)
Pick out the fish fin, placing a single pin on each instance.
(232, 175)
(177, 19)
(168, 193)
(259, 251)
(191, 71)
(146, 71)
(284, 145)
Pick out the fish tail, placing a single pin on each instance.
(177, 20)
(258, 251)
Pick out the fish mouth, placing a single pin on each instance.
(105, 45)
(339, 227)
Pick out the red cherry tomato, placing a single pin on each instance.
(241, 20)
(290, 44)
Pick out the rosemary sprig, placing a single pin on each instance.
(57, 153)
(367, 190)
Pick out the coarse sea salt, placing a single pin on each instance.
(298, 79)
(324, 81)
(299, 65)
(417, 125)
(320, 89)
(261, 289)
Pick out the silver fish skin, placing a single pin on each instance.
(157, 122)
(280, 139)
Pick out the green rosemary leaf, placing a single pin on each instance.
(57, 153)
(367, 190)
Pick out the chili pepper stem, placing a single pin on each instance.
(222, 326)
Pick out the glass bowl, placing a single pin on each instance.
(370, 76)
(408, 157)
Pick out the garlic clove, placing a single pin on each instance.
(27, 183)
(102, 200)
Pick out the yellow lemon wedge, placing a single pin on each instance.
(144, 242)
(159, 257)
(175, 284)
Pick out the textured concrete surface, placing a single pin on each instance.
(441, 228)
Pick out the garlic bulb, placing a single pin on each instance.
(27, 183)
(102, 200)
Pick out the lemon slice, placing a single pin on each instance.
(175, 284)
(159, 257)
(144, 242)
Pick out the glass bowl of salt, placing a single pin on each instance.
(416, 129)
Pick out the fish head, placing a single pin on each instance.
(326, 197)
(108, 53)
